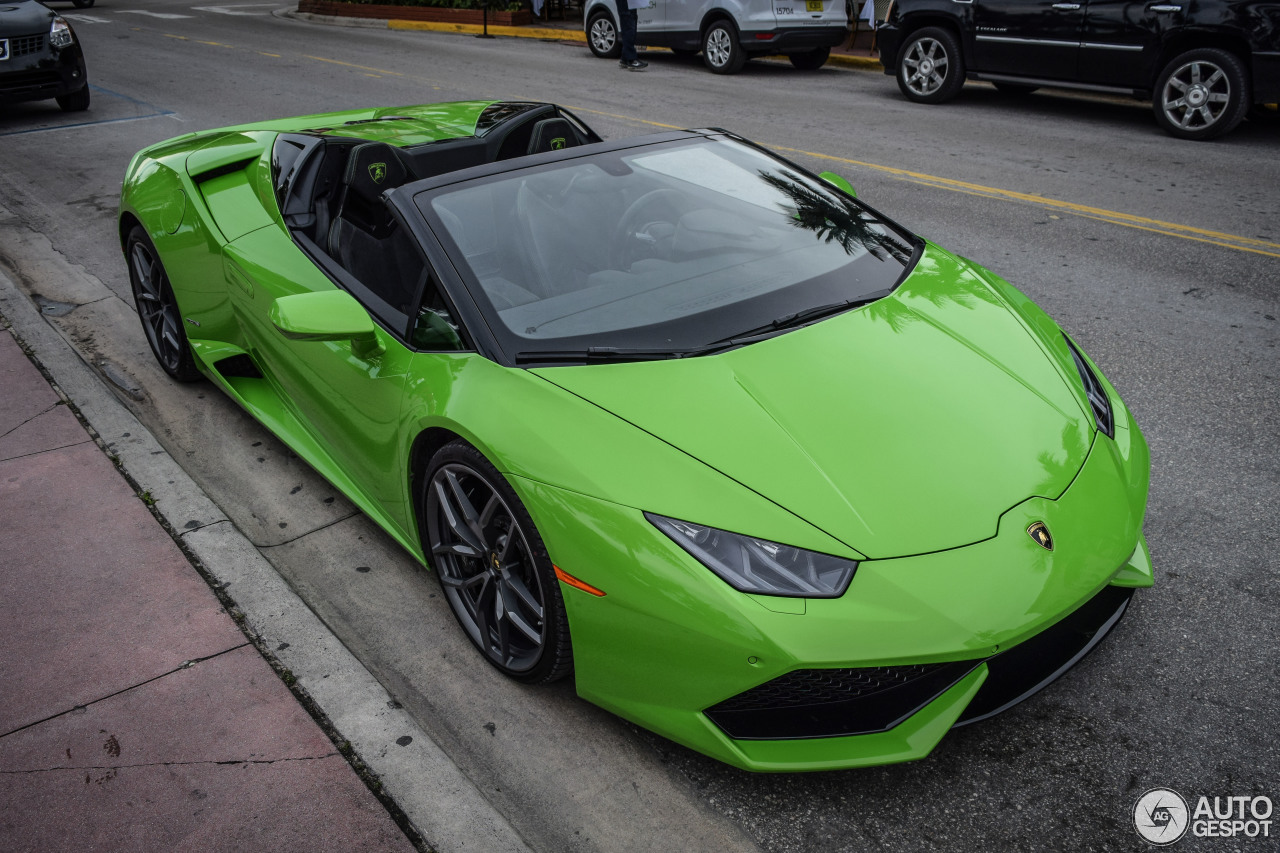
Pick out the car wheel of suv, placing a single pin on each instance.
(602, 37)
(1201, 94)
(75, 102)
(720, 49)
(930, 68)
(810, 60)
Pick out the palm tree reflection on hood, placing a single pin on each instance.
(836, 220)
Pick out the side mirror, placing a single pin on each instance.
(329, 315)
(839, 183)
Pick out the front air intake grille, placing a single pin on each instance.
(23, 45)
(811, 703)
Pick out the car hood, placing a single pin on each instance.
(903, 427)
(24, 19)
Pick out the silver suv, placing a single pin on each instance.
(727, 32)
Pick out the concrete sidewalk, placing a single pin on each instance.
(134, 713)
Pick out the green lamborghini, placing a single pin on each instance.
(765, 472)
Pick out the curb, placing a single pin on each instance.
(441, 803)
(558, 34)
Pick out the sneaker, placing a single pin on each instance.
(633, 65)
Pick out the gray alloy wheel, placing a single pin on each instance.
(602, 37)
(930, 68)
(1201, 94)
(493, 567)
(158, 309)
(720, 49)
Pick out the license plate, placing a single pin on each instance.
(813, 5)
(4, 48)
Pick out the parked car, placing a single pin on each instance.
(40, 57)
(1203, 64)
(767, 472)
(728, 32)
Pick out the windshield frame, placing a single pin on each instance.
(514, 350)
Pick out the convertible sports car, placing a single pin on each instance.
(772, 476)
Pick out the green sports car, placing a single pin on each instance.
(770, 475)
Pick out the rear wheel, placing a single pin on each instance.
(602, 37)
(493, 567)
(810, 60)
(1201, 94)
(158, 309)
(75, 102)
(930, 68)
(720, 49)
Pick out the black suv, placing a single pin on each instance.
(40, 57)
(1202, 63)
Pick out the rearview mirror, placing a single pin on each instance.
(839, 183)
(329, 315)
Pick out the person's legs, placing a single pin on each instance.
(626, 31)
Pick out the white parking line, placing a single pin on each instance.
(165, 15)
(85, 19)
(231, 10)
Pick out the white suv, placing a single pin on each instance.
(728, 32)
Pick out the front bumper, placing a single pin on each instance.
(671, 646)
(47, 73)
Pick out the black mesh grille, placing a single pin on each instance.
(811, 703)
(22, 45)
(823, 686)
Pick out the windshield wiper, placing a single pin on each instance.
(801, 318)
(590, 354)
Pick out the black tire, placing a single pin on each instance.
(1016, 90)
(1201, 94)
(603, 37)
(493, 567)
(810, 60)
(82, 4)
(930, 67)
(75, 102)
(158, 308)
(720, 49)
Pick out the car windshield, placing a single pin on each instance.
(665, 248)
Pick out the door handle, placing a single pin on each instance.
(1066, 7)
(1164, 7)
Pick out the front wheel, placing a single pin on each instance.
(1201, 94)
(602, 37)
(75, 102)
(720, 49)
(158, 308)
(930, 68)
(810, 60)
(493, 567)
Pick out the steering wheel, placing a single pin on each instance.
(636, 236)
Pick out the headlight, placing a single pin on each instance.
(1093, 389)
(60, 34)
(758, 565)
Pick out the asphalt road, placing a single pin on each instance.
(1161, 257)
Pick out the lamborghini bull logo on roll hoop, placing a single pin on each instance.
(378, 171)
(1040, 534)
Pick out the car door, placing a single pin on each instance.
(1122, 40)
(1027, 38)
(652, 18)
(348, 403)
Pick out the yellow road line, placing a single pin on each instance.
(353, 65)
